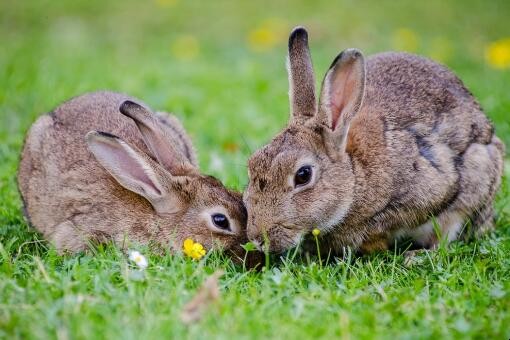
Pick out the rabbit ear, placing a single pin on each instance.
(133, 170)
(301, 78)
(342, 93)
(157, 139)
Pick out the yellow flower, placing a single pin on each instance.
(185, 47)
(267, 35)
(497, 54)
(316, 232)
(405, 39)
(193, 249)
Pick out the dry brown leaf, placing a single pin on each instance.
(206, 295)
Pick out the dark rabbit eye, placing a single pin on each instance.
(221, 221)
(303, 176)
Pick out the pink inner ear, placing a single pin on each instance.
(122, 164)
(341, 93)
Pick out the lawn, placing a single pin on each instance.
(219, 66)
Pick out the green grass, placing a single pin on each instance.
(232, 99)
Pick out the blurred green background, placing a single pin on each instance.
(220, 67)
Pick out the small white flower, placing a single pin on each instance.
(138, 258)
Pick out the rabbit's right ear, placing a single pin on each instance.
(156, 139)
(342, 93)
(303, 104)
(133, 170)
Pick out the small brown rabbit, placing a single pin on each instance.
(395, 145)
(139, 181)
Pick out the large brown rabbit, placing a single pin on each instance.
(396, 146)
(137, 181)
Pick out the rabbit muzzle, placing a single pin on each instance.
(274, 238)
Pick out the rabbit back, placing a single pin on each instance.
(425, 98)
(100, 111)
(424, 146)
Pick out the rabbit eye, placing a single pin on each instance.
(303, 176)
(221, 221)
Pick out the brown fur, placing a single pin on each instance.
(72, 200)
(398, 144)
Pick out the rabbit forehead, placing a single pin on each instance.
(213, 193)
(285, 150)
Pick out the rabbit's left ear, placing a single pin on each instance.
(134, 170)
(157, 139)
(303, 104)
(342, 94)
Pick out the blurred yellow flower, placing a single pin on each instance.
(166, 3)
(405, 39)
(316, 232)
(497, 54)
(267, 35)
(185, 47)
(230, 146)
(193, 249)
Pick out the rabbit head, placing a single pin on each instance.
(185, 203)
(304, 179)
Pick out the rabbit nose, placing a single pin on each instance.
(258, 244)
(257, 231)
(254, 235)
